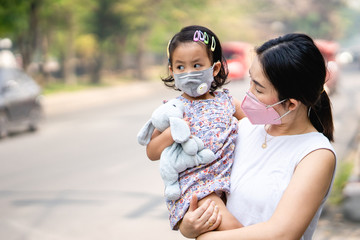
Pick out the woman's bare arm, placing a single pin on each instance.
(297, 207)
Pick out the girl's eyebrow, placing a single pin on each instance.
(178, 61)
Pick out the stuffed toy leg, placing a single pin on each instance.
(168, 172)
(177, 158)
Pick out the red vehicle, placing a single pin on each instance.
(329, 50)
(238, 58)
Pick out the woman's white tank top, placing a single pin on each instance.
(260, 176)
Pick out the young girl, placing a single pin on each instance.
(197, 68)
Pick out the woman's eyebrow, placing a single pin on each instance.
(257, 83)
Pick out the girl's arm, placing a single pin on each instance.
(302, 198)
(239, 114)
(159, 141)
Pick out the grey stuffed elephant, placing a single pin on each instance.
(187, 151)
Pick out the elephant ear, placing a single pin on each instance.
(180, 131)
(145, 133)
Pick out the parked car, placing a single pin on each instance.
(329, 49)
(20, 102)
(238, 57)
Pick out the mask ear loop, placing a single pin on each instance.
(316, 117)
(269, 106)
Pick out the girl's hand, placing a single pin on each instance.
(201, 219)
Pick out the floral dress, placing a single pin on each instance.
(213, 122)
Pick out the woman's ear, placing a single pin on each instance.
(217, 67)
(293, 104)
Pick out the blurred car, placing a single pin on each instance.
(20, 102)
(238, 58)
(329, 49)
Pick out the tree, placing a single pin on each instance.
(20, 21)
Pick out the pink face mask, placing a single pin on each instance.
(260, 113)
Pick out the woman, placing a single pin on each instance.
(284, 162)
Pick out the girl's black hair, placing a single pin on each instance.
(187, 35)
(296, 68)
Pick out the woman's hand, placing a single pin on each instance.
(201, 219)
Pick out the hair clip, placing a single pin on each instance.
(204, 37)
(196, 36)
(213, 44)
(167, 49)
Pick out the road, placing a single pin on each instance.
(83, 176)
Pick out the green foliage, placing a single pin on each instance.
(343, 173)
(13, 17)
(60, 87)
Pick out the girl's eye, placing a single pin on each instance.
(197, 65)
(180, 67)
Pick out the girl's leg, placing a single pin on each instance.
(228, 220)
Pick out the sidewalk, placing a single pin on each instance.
(60, 103)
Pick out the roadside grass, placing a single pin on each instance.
(343, 173)
(58, 87)
(108, 79)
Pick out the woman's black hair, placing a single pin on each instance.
(187, 35)
(296, 68)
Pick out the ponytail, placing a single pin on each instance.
(320, 115)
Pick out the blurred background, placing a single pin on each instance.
(78, 79)
(88, 41)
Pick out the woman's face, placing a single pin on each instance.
(260, 86)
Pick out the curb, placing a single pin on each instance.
(66, 102)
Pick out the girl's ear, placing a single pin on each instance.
(171, 71)
(217, 67)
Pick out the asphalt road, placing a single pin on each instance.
(83, 176)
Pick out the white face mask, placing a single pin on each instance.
(195, 83)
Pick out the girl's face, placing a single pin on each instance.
(189, 57)
(260, 85)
